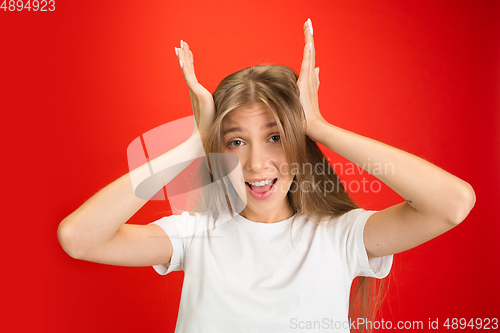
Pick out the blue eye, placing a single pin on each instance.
(273, 138)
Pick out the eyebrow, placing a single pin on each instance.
(238, 129)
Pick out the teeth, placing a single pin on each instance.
(262, 183)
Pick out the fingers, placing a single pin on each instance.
(188, 53)
(185, 57)
(308, 31)
(308, 60)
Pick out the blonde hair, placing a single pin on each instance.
(276, 87)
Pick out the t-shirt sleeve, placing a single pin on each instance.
(173, 226)
(358, 261)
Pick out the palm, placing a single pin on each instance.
(201, 99)
(308, 82)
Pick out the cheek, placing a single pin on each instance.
(235, 157)
(230, 162)
(284, 168)
(281, 161)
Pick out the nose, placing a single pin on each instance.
(256, 161)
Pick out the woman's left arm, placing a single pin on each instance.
(435, 200)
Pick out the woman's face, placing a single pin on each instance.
(252, 135)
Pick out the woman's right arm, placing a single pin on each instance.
(97, 232)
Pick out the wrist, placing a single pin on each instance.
(316, 128)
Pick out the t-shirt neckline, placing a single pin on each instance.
(273, 225)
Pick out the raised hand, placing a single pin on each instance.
(202, 102)
(309, 81)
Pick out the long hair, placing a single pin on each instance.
(316, 190)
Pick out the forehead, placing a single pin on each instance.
(255, 113)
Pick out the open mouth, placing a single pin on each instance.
(261, 191)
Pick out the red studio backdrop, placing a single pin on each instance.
(80, 83)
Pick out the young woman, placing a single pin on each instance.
(288, 256)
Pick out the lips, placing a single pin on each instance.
(261, 192)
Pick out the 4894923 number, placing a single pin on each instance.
(30, 5)
(477, 323)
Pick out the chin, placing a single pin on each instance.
(263, 207)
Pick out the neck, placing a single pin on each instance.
(277, 215)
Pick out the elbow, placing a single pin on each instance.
(68, 241)
(465, 201)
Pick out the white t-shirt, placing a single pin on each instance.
(245, 276)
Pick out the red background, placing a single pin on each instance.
(80, 83)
